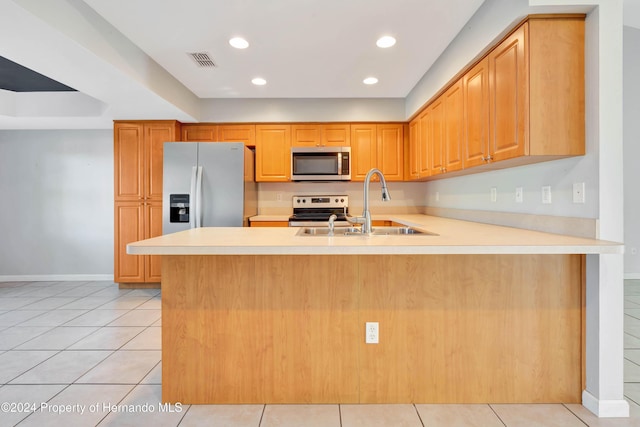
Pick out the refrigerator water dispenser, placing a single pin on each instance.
(178, 208)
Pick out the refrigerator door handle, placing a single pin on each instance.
(192, 198)
(199, 197)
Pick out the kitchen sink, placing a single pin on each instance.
(355, 231)
(324, 231)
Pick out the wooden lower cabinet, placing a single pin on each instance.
(452, 329)
(136, 221)
(269, 223)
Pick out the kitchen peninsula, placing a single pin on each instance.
(474, 313)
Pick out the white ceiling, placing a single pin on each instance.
(303, 48)
(128, 58)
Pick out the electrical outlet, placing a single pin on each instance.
(437, 196)
(371, 334)
(578, 192)
(519, 195)
(494, 194)
(546, 194)
(278, 197)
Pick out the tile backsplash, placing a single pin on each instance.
(406, 197)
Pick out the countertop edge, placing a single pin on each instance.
(454, 237)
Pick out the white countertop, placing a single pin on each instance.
(454, 237)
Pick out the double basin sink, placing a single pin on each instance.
(355, 231)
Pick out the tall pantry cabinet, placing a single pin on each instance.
(137, 148)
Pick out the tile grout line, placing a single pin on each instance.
(496, 414)
(418, 413)
(575, 415)
(264, 408)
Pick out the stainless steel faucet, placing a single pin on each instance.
(365, 219)
(332, 218)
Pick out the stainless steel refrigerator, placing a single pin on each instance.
(207, 184)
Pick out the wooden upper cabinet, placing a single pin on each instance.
(413, 170)
(391, 150)
(320, 135)
(377, 146)
(336, 134)
(138, 151)
(305, 135)
(273, 153)
(194, 133)
(238, 133)
(424, 133)
(508, 97)
(155, 137)
(435, 138)
(364, 150)
(523, 103)
(453, 127)
(556, 87)
(475, 84)
(128, 147)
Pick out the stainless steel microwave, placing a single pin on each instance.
(321, 163)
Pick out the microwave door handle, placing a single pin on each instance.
(192, 198)
(339, 163)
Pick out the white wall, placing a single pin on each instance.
(631, 129)
(302, 110)
(56, 215)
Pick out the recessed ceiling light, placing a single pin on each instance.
(239, 43)
(370, 81)
(259, 81)
(386, 41)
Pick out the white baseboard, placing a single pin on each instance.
(605, 408)
(58, 278)
(631, 276)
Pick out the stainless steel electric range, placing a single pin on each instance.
(314, 211)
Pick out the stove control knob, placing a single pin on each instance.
(336, 200)
(342, 200)
(304, 200)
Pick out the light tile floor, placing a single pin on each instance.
(88, 353)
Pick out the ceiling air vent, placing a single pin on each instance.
(202, 59)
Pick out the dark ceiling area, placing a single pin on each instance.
(16, 78)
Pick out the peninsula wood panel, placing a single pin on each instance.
(453, 328)
(237, 335)
(472, 328)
